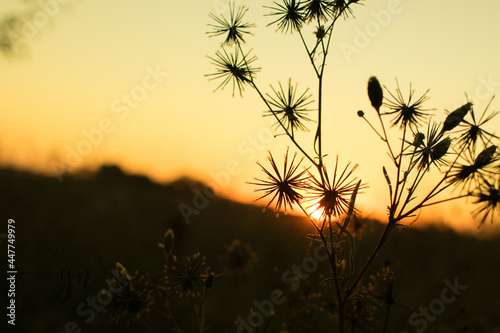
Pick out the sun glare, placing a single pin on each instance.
(315, 211)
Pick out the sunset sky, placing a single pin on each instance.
(128, 77)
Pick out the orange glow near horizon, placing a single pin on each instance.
(103, 85)
(315, 211)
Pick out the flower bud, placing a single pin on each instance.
(456, 117)
(209, 282)
(440, 149)
(485, 157)
(375, 93)
(418, 140)
(168, 244)
(122, 271)
(320, 33)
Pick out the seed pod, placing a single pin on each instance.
(485, 157)
(440, 149)
(209, 282)
(375, 93)
(168, 244)
(456, 117)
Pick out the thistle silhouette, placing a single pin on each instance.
(423, 148)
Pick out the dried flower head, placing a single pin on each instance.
(418, 139)
(430, 150)
(290, 109)
(343, 7)
(238, 258)
(320, 32)
(473, 131)
(360, 315)
(474, 168)
(407, 113)
(187, 275)
(333, 197)
(488, 197)
(234, 28)
(381, 286)
(130, 299)
(317, 10)
(283, 187)
(234, 67)
(290, 16)
(307, 301)
(463, 172)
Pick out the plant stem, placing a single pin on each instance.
(290, 136)
(446, 200)
(309, 54)
(387, 318)
(287, 132)
(333, 266)
(435, 191)
(168, 315)
(386, 140)
(196, 315)
(202, 310)
(383, 239)
(340, 303)
(395, 201)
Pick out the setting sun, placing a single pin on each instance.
(315, 211)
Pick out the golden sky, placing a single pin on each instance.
(123, 82)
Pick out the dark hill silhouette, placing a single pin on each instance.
(89, 221)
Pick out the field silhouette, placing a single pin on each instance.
(70, 234)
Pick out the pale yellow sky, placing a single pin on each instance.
(88, 57)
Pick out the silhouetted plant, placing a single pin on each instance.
(186, 277)
(423, 147)
(133, 300)
(238, 258)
